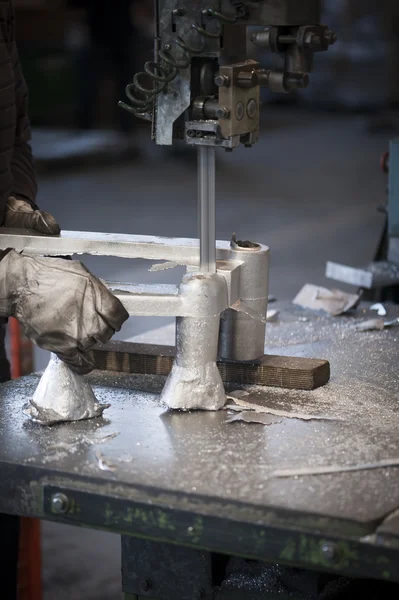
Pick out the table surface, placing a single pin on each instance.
(200, 462)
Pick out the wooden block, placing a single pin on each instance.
(275, 371)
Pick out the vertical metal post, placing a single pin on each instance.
(207, 208)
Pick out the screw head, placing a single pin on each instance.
(240, 110)
(222, 113)
(59, 504)
(198, 134)
(329, 551)
(191, 133)
(146, 585)
(167, 47)
(221, 80)
(252, 108)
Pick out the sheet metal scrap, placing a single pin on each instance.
(334, 302)
(329, 470)
(369, 325)
(243, 405)
(253, 417)
(375, 325)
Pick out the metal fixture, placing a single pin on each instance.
(205, 304)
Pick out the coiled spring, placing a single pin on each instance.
(140, 96)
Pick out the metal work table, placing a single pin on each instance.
(197, 480)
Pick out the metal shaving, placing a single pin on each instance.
(239, 393)
(380, 309)
(106, 438)
(392, 323)
(235, 408)
(251, 417)
(163, 266)
(103, 463)
(62, 446)
(102, 440)
(279, 413)
(370, 325)
(240, 306)
(381, 464)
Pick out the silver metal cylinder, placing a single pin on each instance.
(242, 334)
(206, 208)
(195, 381)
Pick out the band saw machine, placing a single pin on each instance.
(201, 88)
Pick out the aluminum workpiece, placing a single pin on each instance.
(235, 296)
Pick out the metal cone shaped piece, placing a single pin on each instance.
(62, 395)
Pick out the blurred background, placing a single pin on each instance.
(311, 188)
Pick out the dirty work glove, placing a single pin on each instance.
(21, 215)
(62, 307)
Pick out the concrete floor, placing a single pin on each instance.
(309, 189)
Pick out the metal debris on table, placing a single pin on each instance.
(370, 325)
(392, 323)
(380, 309)
(333, 302)
(329, 470)
(258, 408)
(253, 417)
(103, 463)
(272, 315)
(164, 266)
(375, 325)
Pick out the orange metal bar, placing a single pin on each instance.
(16, 347)
(30, 566)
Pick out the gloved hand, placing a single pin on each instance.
(21, 215)
(62, 307)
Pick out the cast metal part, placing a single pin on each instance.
(244, 271)
(62, 395)
(195, 381)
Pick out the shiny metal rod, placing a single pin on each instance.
(207, 208)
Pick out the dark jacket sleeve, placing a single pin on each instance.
(22, 166)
